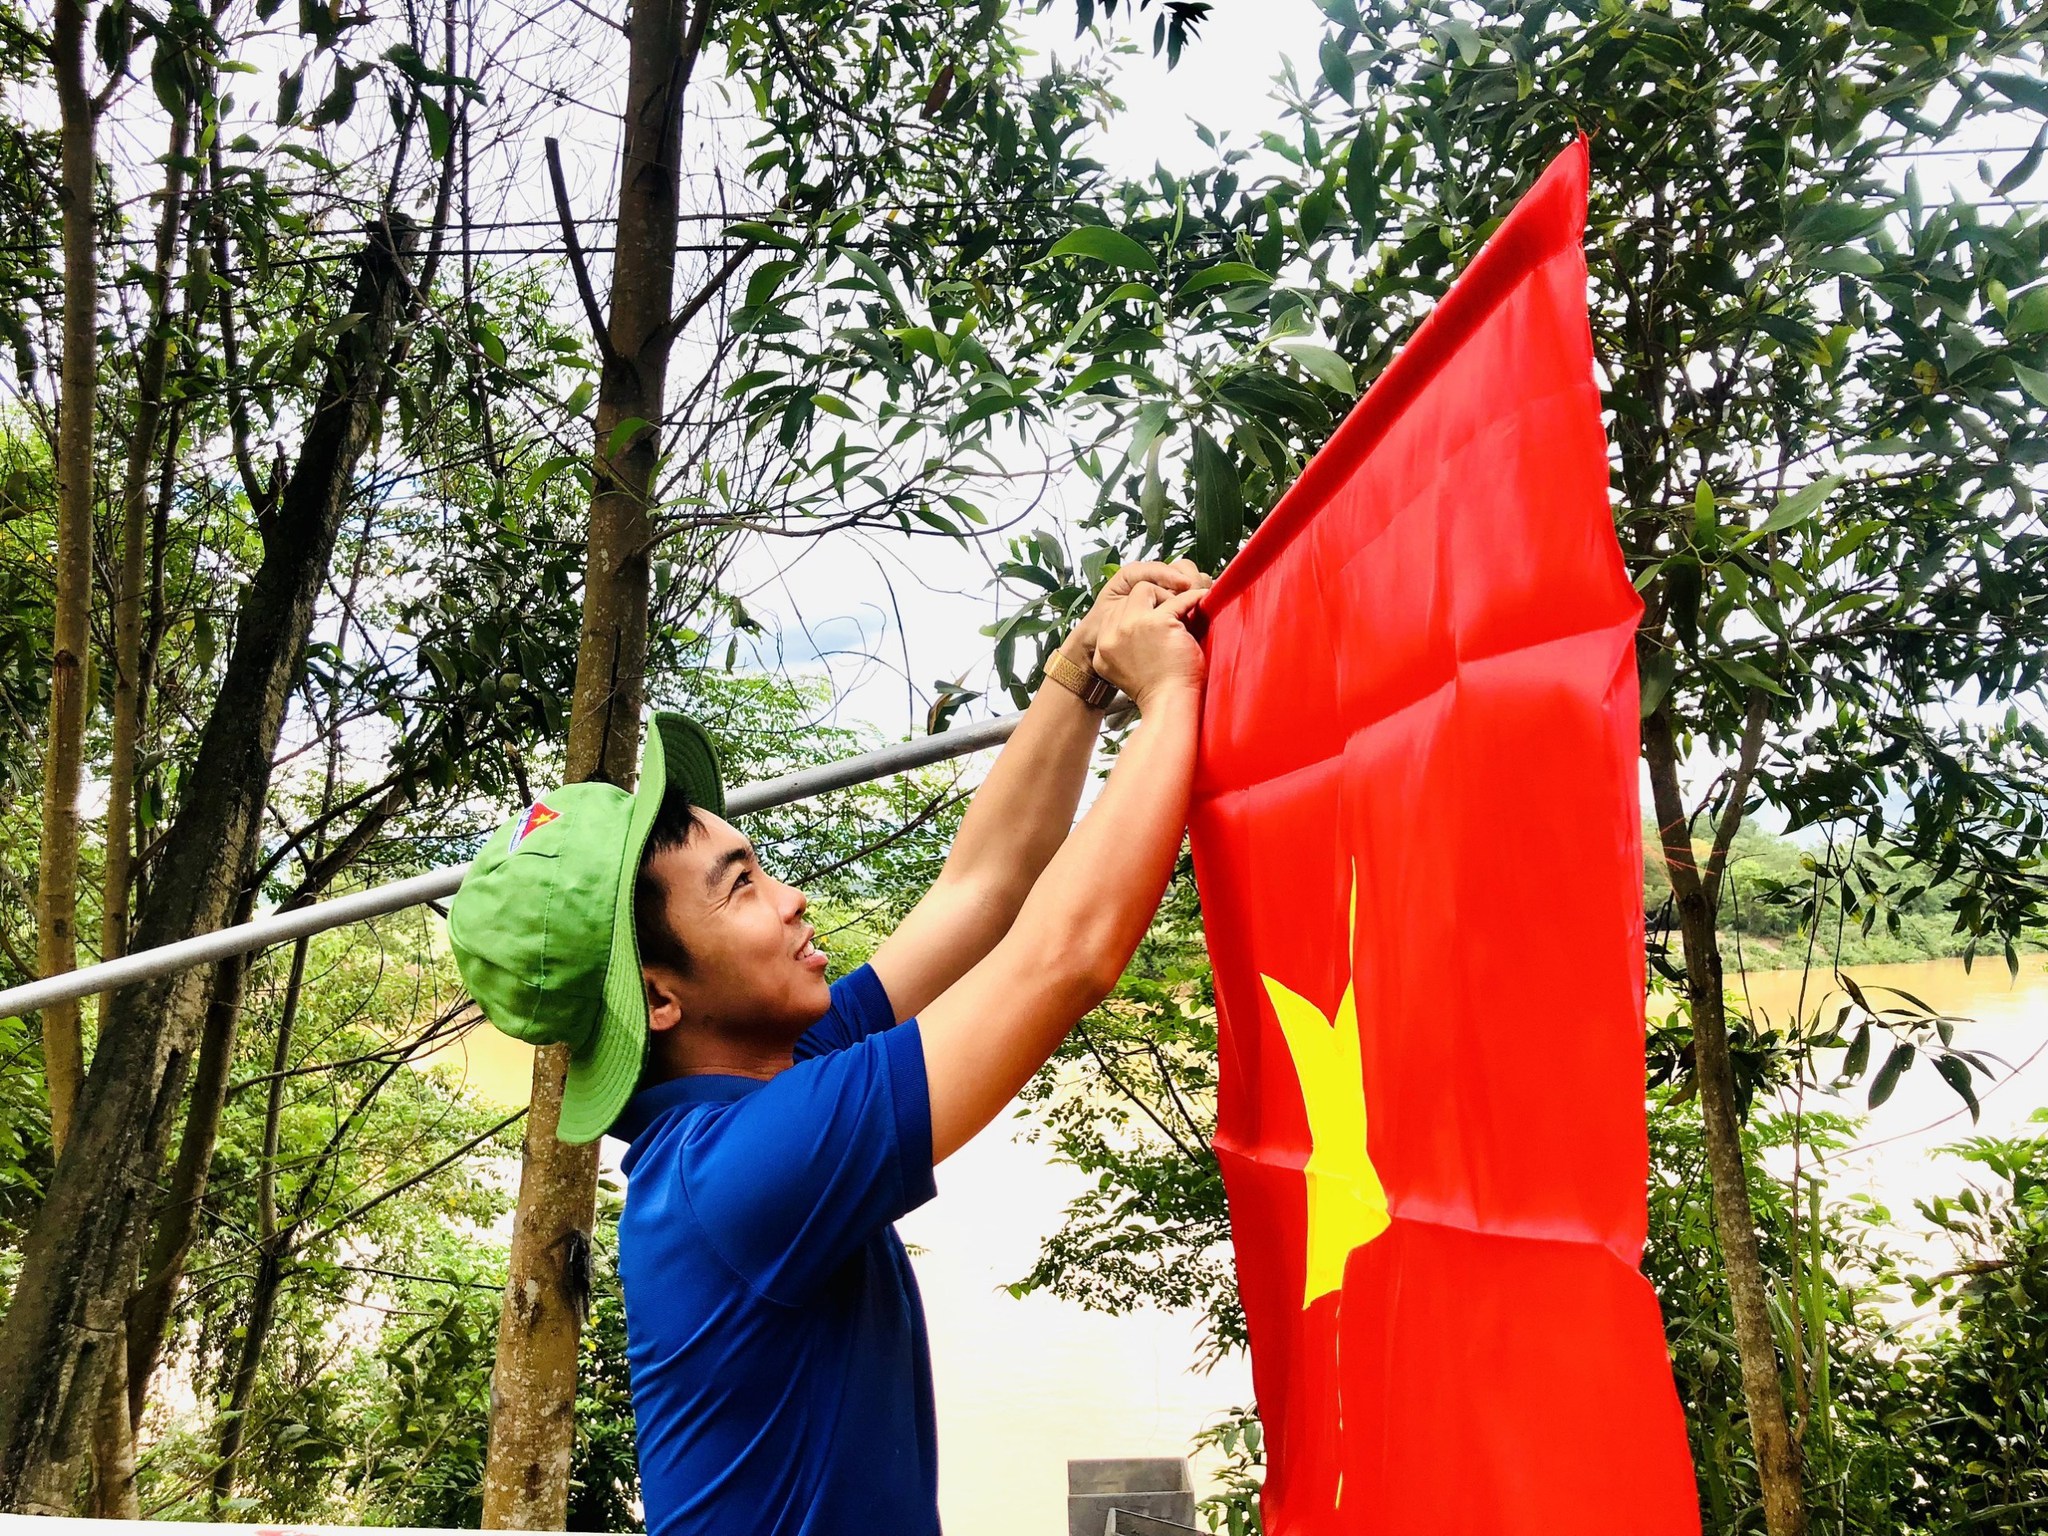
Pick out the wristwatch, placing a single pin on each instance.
(1089, 686)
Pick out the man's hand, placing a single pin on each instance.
(1022, 812)
(984, 1035)
(1146, 648)
(1180, 576)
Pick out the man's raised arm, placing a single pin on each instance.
(987, 1033)
(1018, 819)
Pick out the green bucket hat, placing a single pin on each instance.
(542, 927)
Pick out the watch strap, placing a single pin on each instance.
(1089, 686)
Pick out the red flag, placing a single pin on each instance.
(1419, 848)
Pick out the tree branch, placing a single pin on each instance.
(448, 1023)
(1738, 791)
(260, 499)
(600, 332)
(418, 1178)
(1674, 827)
(717, 281)
(1144, 1107)
(295, 841)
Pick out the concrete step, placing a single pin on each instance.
(1124, 1523)
(1153, 1488)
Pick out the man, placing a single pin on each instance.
(778, 1126)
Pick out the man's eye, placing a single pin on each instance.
(744, 879)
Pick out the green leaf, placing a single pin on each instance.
(2029, 313)
(932, 517)
(440, 132)
(1918, 1002)
(624, 433)
(1888, 1074)
(167, 77)
(832, 405)
(1706, 531)
(2020, 90)
(1219, 502)
(545, 471)
(340, 101)
(1362, 177)
(1100, 243)
(766, 280)
(762, 234)
(989, 403)
(306, 155)
(1912, 18)
(1326, 365)
(2032, 380)
(2023, 173)
(1845, 258)
(765, 322)
(1829, 224)
(1857, 1059)
(1795, 508)
(1104, 369)
(1316, 211)
(1659, 669)
(1786, 331)
(749, 381)
(919, 338)
(1153, 416)
(1463, 38)
(1956, 1073)
(879, 276)
(1225, 274)
(1152, 495)
(1745, 674)
(1337, 70)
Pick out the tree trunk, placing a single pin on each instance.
(113, 1446)
(64, 750)
(132, 576)
(533, 1386)
(1779, 1470)
(80, 1254)
(255, 1333)
(177, 1225)
(274, 1244)
(177, 1221)
(113, 1449)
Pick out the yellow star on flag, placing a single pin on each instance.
(1347, 1204)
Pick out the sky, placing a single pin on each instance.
(887, 617)
(865, 605)
(883, 616)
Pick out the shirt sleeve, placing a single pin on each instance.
(789, 1182)
(860, 1007)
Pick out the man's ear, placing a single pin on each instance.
(664, 1007)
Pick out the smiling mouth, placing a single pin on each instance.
(810, 951)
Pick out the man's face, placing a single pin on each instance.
(755, 977)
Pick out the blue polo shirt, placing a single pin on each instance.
(782, 1380)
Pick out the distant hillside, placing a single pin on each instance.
(1772, 928)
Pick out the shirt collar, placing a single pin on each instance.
(652, 1102)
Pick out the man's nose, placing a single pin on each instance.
(800, 903)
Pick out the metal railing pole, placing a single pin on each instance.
(319, 916)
